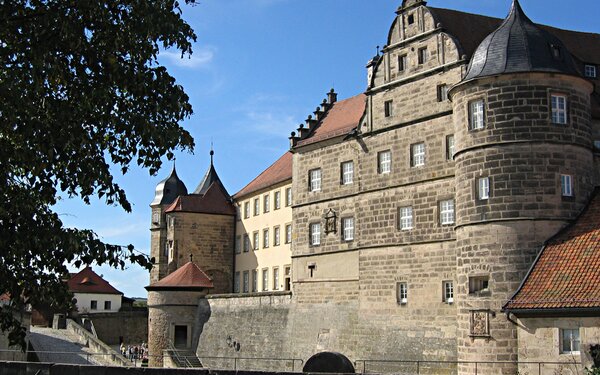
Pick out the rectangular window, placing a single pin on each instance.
(93, 305)
(266, 203)
(246, 243)
(245, 281)
(288, 233)
(314, 180)
(107, 305)
(348, 228)
(275, 278)
(476, 114)
(566, 185)
(478, 284)
(406, 218)
(422, 55)
(450, 147)
(254, 281)
(447, 212)
(277, 200)
(236, 282)
(265, 279)
(288, 197)
(570, 341)
(384, 162)
(417, 155)
(347, 172)
(315, 234)
(246, 210)
(388, 107)
(265, 238)
(256, 206)
(448, 291)
(483, 188)
(276, 236)
(597, 146)
(559, 108)
(238, 244)
(255, 243)
(402, 293)
(402, 63)
(442, 92)
(590, 71)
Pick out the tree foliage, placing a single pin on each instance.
(80, 89)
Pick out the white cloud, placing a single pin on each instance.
(201, 57)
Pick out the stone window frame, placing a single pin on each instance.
(266, 203)
(275, 278)
(448, 291)
(401, 216)
(236, 282)
(266, 237)
(567, 186)
(442, 92)
(402, 62)
(247, 210)
(93, 304)
(422, 55)
(315, 180)
(254, 281)
(276, 235)
(344, 228)
(288, 233)
(255, 240)
(238, 244)
(552, 110)
(410, 18)
(590, 71)
(561, 341)
(107, 305)
(480, 182)
(479, 285)
(388, 108)
(256, 206)
(474, 117)
(381, 163)
(312, 239)
(265, 279)
(246, 244)
(413, 155)
(450, 149)
(402, 292)
(347, 176)
(246, 281)
(277, 200)
(441, 212)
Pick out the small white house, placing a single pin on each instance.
(93, 294)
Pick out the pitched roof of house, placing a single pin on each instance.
(187, 277)
(341, 119)
(567, 271)
(278, 172)
(88, 281)
(214, 201)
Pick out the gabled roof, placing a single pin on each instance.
(214, 201)
(88, 281)
(278, 172)
(186, 278)
(566, 274)
(341, 119)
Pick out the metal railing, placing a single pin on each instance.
(68, 357)
(236, 360)
(174, 353)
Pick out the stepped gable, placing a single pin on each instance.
(188, 277)
(169, 189)
(278, 172)
(566, 274)
(341, 119)
(88, 281)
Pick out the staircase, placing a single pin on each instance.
(184, 358)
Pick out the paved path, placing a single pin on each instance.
(63, 344)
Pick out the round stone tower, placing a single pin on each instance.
(523, 155)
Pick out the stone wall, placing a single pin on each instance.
(132, 326)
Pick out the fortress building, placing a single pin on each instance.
(448, 213)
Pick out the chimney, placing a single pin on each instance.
(293, 140)
(331, 96)
(311, 123)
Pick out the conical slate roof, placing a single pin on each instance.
(210, 177)
(187, 277)
(519, 45)
(169, 189)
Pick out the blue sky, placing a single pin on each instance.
(259, 68)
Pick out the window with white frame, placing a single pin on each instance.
(448, 291)
(256, 206)
(447, 212)
(255, 243)
(266, 203)
(236, 282)
(288, 197)
(275, 278)
(384, 162)
(559, 108)
(277, 198)
(265, 238)
(265, 279)
(476, 114)
(314, 180)
(388, 108)
(402, 293)
(406, 218)
(450, 147)
(276, 236)
(590, 71)
(348, 228)
(245, 281)
(246, 210)
(246, 243)
(238, 244)
(254, 281)
(315, 234)
(417, 154)
(566, 185)
(288, 233)
(347, 172)
(483, 188)
(569, 341)
(402, 63)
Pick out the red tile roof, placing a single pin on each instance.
(214, 201)
(341, 119)
(88, 281)
(567, 272)
(4, 297)
(187, 277)
(278, 172)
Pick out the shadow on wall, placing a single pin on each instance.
(203, 313)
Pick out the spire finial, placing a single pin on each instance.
(191, 257)
(212, 153)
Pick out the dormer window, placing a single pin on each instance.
(590, 71)
(411, 19)
(555, 51)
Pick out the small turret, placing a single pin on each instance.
(169, 189)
